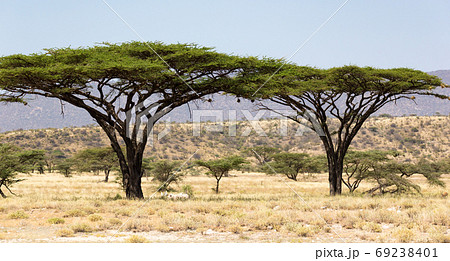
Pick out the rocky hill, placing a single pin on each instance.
(415, 136)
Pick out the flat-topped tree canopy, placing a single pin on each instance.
(110, 80)
(350, 94)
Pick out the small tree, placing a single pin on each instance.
(65, 167)
(220, 167)
(390, 175)
(166, 172)
(262, 153)
(33, 159)
(292, 164)
(10, 165)
(359, 164)
(97, 159)
(52, 158)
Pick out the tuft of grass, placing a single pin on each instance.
(371, 227)
(115, 221)
(56, 221)
(403, 234)
(123, 212)
(64, 233)
(75, 213)
(438, 235)
(95, 218)
(116, 197)
(136, 239)
(18, 215)
(236, 229)
(82, 228)
(301, 230)
(150, 211)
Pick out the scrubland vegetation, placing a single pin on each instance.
(253, 205)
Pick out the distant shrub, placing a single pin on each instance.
(56, 221)
(136, 239)
(64, 233)
(82, 228)
(115, 221)
(75, 213)
(116, 197)
(403, 234)
(187, 189)
(95, 218)
(18, 215)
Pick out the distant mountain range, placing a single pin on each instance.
(47, 113)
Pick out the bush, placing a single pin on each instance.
(82, 227)
(166, 172)
(18, 215)
(371, 227)
(116, 197)
(187, 189)
(64, 233)
(95, 218)
(75, 213)
(115, 221)
(403, 234)
(136, 239)
(56, 221)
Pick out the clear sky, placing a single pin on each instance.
(379, 33)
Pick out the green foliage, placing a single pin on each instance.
(11, 163)
(33, 159)
(166, 172)
(18, 215)
(390, 175)
(56, 220)
(97, 159)
(262, 153)
(65, 167)
(349, 93)
(95, 78)
(292, 164)
(220, 167)
(187, 189)
(359, 165)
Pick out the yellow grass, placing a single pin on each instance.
(251, 207)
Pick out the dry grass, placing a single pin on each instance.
(251, 208)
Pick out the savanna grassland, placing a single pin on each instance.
(251, 207)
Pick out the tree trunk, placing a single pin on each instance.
(217, 186)
(2, 194)
(107, 175)
(132, 178)
(335, 168)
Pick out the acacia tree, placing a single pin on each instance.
(219, 168)
(166, 172)
(390, 175)
(348, 94)
(34, 159)
(360, 165)
(262, 153)
(97, 159)
(292, 164)
(10, 165)
(112, 81)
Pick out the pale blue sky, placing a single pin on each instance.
(379, 33)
